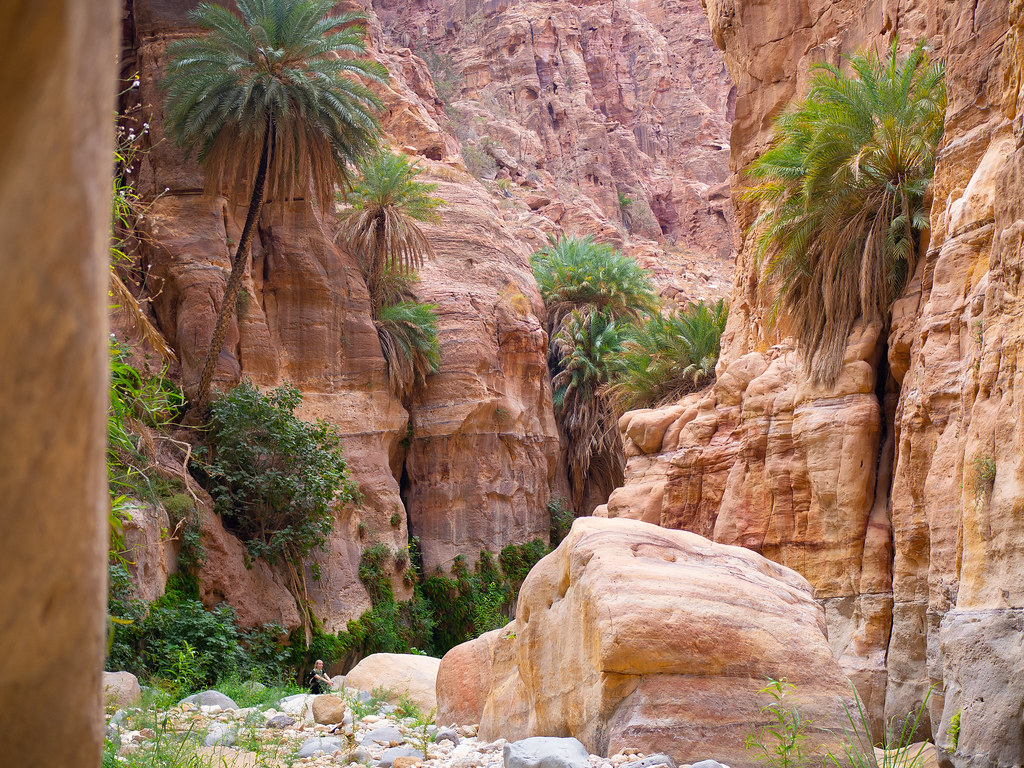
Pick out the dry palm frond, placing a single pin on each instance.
(129, 305)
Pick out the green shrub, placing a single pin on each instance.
(561, 520)
(517, 559)
(274, 478)
(177, 642)
(665, 357)
(445, 74)
(479, 164)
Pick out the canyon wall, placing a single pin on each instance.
(471, 461)
(897, 493)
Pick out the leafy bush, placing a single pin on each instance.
(479, 164)
(275, 478)
(446, 76)
(561, 520)
(983, 473)
(408, 338)
(843, 194)
(177, 642)
(665, 357)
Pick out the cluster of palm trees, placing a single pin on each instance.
(276, 100)
(612, 349)
(842, 191)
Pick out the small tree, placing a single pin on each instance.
(275, 479)
(665, 357)
(408, 337)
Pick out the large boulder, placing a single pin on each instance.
(121, 689)
(631, 635)
(400, 674)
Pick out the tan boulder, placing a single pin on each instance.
(329, 709)
(120, 689)
(400, 674)
(631, 635)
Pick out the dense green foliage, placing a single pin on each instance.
(590, 291)
(176, 643)
(843, 189)
(274, 478)
(408, 337)
(579, 274)
(381, 224)
(282, 73)
(666, 356)
(381, 227)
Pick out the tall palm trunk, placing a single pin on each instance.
(238, 265)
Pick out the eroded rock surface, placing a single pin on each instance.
(633, 635)
(923, 442)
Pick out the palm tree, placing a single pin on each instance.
(579, 274)
(408, 338)
(382, 225)
(271, 95)
(843, 190)
(586, 345)
(667, 356)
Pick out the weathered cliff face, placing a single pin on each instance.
(897, 493)
(474, 460)
(585, 101)
(305, 319)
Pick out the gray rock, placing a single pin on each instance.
(447, 734)
(388, 709)
(708, 764)
(297, 704)
(222, 735)
(118, 718)
(210, 699)
(386, 736)
(660, 759)
(113, 733)
(358, 755)
(390, 754)
(983, 674)
(326, 744)
(546, 752)
(252, 686)
(280, 721)
(364, 696)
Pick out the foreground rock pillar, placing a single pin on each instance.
(57, 81)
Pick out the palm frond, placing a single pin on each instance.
(841, 192)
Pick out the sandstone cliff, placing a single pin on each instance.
(896, 493)
(473, 460)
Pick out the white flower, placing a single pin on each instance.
(135, 84)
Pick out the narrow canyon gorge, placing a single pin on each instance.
(857, 538)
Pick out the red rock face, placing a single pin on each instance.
(598, 98)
